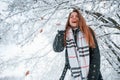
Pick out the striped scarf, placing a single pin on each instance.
(78, 55)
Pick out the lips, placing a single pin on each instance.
(74, 21)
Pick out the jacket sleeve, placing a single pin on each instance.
(94, 69)
(58, 44)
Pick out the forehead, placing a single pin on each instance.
(74, 13)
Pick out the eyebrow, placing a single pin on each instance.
(75, 15)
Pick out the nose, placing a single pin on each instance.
(74, 17)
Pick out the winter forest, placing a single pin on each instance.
(28, 29)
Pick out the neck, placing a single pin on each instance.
(74, 28)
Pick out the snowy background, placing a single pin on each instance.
(28, 28)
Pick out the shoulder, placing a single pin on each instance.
(92, 31)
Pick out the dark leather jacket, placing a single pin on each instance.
(94, 70)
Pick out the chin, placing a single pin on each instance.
(74, 26)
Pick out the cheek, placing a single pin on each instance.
(70, 21)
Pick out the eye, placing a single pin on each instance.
(76, 16)
(71, 16)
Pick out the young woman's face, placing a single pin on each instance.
(74, 20)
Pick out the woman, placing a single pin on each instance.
(82, 52)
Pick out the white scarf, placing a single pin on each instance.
(78, 55)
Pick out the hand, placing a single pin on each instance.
(61, 32)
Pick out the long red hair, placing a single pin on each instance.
(83, 27)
